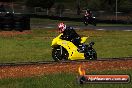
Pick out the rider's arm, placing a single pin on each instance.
(69, 34)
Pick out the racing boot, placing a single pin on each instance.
(81, 48)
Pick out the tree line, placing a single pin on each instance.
(110, 5)
(106, 5)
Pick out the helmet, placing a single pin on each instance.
(88, 10)
(61, 27)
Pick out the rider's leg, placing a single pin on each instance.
(77, 42)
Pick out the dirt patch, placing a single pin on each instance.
(42, 69)
(14, 33)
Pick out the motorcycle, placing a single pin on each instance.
(66, 50)
(89, 20)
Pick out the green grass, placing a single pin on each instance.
(36, 46)
(61, 80)
(28, 47)
(113, 44)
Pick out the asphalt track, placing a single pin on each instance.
(67, 61)
(121, 28)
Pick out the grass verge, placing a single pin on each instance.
(61, 80)
(36, 45)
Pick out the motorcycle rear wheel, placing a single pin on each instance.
(59, 55)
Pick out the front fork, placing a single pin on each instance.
(91, 44)
(61, 50)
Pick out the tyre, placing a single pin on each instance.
(86, 23)
(94, 23)
(20, 18)
(7, 23)
(21, 23)
(59, 53)
(90, 54)
(0, 26)
(7, 27)
(1, 20)
(19, 26)
(93, 20)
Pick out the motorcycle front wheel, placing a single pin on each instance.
(94, 23)
(90, 54)
(85, 23)
(59, 53)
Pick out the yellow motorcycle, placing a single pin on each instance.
(66, 50)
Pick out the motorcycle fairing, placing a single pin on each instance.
(70, 47)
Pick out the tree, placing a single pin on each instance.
(94, 5)
(46, 4)
(125, 5)
(5, 0)
(60, 9)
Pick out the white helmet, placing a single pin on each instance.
(61, 27)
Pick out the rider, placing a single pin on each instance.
(88, 13)
(70, 34)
